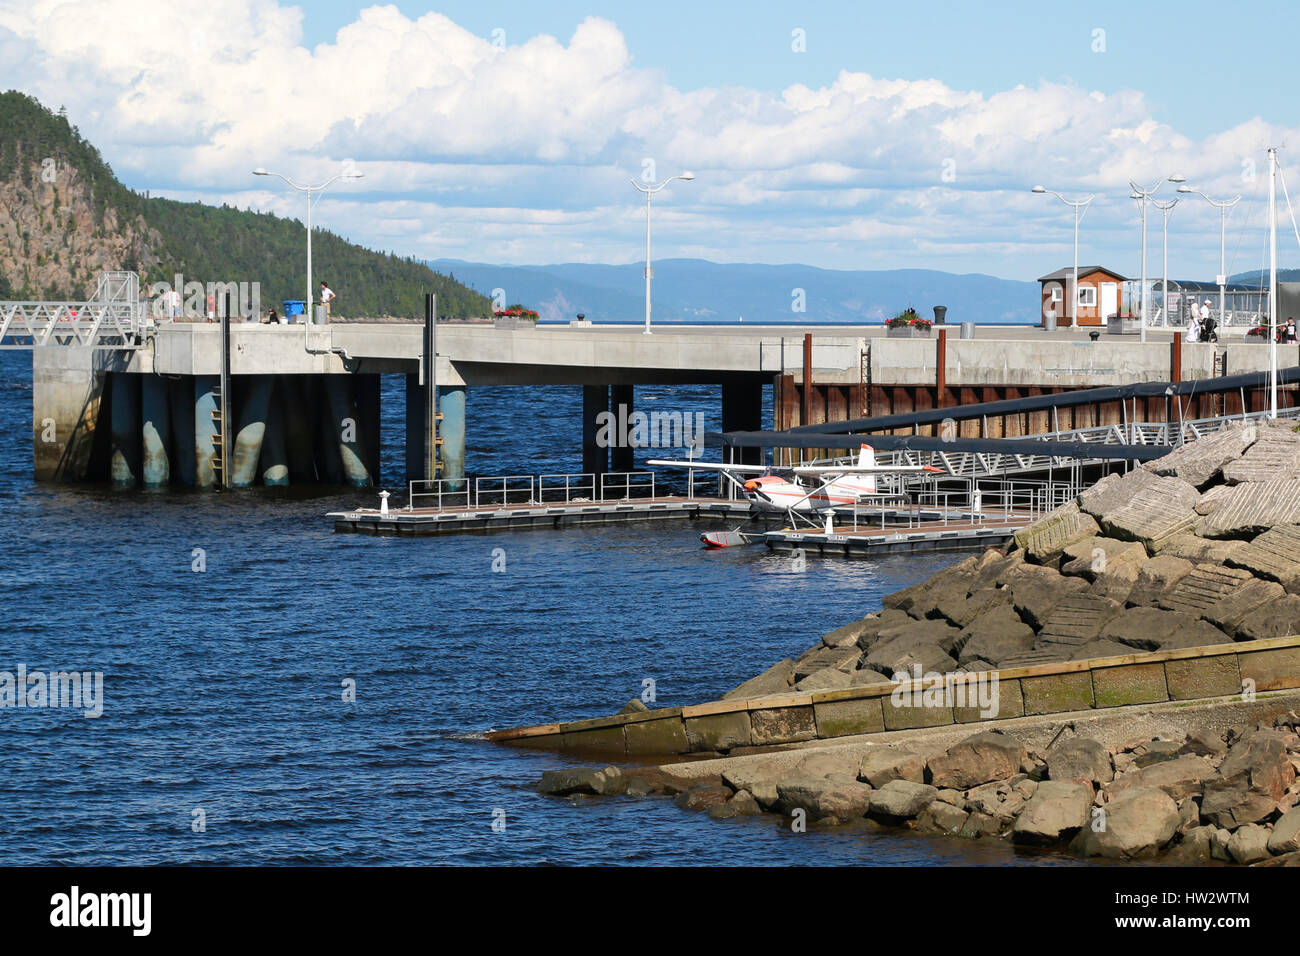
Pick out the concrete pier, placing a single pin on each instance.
(124, 464)
(819, 374)
(155, 431)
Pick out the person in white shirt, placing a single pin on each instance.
(327, 298)
(1193, 324)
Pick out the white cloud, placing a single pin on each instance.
(523, 152)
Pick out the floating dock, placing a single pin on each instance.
(469, 520)
(925, 536)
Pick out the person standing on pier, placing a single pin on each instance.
(327, 298)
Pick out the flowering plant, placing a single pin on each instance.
(515, 312)
(908, 319)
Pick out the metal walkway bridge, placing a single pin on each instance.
(1159, 437)
(114, 318)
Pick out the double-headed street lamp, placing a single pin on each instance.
(1080, 208)
(1223, 205)
(1165, 208)
(348, 174)
(650, 191)
(1142, 195)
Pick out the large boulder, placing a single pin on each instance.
(563, 783)
(1157, 576)
(1078, 619)
(776, 679)
(1035, 594)
(979, 759)
(824, 798)
(961, 612)
(1198, 462)
(900, 800)
(1285, 837)
(1144, 627)
(881, 766)
(1280, 618)
(1253, 595)
(1261, 763)
(819, 657)
(1252, 508)
(1100, 648)
(994, 635)
(1275, 554)
(1136, 824)
(1144, 507)
(869, 633)
(1056, 812)
(1080, 759)
(1275, 453)
(921, 644)
(1230, 807)
(1097, 556)
(1202, 588)
(1249, 844)
(1198, 550)
(1051, 534)
(1180, 777)
(1196, 634)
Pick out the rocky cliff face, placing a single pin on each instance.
(56, 235)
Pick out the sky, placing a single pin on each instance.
(835, 134)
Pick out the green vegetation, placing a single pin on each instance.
(211, 244)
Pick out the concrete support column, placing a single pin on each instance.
(124, 462)
(366, 388)
(595, 401)
(415, 425)
(68, 391)
(623, 401)
(251, 431)
(451, 403)
(155, 431)
(274, 461)
(742, 411)
(180, 394)
(347, 430)
(207, 435)
(293, 395)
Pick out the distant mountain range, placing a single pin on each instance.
(702, 291)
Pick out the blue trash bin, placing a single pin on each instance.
(294, 307)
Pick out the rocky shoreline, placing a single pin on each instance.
(1199, 548)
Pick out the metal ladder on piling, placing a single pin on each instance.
(219, 438)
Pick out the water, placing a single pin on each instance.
(223, 689)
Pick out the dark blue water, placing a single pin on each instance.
(223, 689)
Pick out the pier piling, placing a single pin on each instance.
(207, 435)
(124, 463)
(247, 446)
(155, 431)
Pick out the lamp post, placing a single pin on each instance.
(349, 174)
(1080, 207)
(650, 191)
(1223, 205)
(1142, 195)
(1165, 208)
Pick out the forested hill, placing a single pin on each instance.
(64, 218)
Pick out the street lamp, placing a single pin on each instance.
(1165, 208)
(348, 174)
(1142, 195)
(1223, 205)
(650, 191)
(1077, 204)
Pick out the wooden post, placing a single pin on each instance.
(1176, 358)
(805, 407)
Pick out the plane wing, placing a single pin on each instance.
(712, 466)
(868, 470)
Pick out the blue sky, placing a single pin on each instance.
(901, 135)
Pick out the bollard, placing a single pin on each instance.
(383, 502)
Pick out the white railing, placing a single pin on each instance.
(502, 491)
(114, 319)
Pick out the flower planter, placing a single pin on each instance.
(907, 332)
